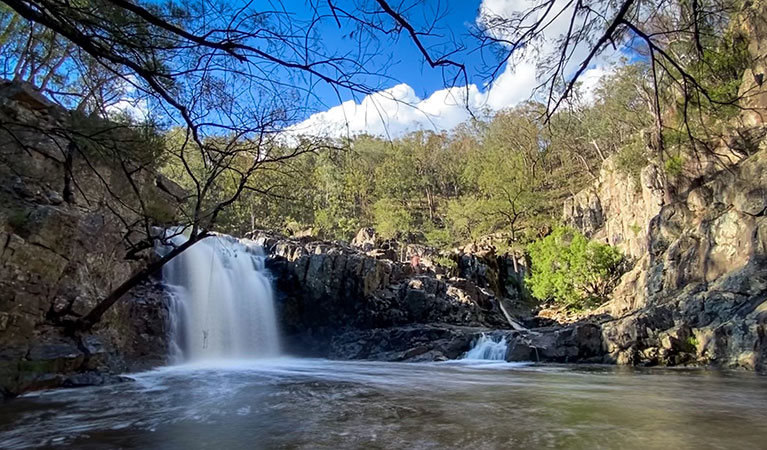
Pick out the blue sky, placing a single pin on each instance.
(400, 58)
(412, 95)
(416, 98)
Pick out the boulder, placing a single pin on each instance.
(366, 240)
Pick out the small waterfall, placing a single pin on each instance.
(223, 305)
(488, 349)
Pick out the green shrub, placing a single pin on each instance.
(631, 159)
(674, 165)
(392, 219)
(445, 262)
(572, 270)
(439, 238)
(692, 344)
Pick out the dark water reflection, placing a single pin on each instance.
(315, 404)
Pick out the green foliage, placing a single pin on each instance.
(118, 141)
(440, 238)
(464, 217)
(720, 71)
(674, 165)
(160, 212)
(446, 262)
(631, 159)
(692, 344)
(392, 220)
(635, 228)
(572, 270)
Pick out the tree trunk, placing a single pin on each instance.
(599, 150)
(430, 202)
(94, 316)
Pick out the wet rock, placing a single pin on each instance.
(92, 379)
(340, 289)
(417, 342)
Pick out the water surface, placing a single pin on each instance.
(318, 404)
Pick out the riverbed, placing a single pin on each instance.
(288, 403)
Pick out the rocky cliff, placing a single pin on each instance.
(343, 302)
(698, 291)
(60, 252)
(618, 207)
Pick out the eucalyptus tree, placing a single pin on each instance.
(231, 77)
(510, 169)
(569, 37)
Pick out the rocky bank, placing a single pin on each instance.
(61, 250)
(343, 302)
(697, 293)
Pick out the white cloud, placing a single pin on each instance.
(394, 112)
(128, 102)
(137, 109)
(589, 81)
(513, 86)
(399, 110)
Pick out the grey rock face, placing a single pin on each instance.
(60, 253)
(617, 208)
(366, 240)
(343, 304)
(696, 293)
(437, 342)
(326, 290)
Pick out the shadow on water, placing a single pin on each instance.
(308, 404)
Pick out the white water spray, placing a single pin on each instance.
(486, 348)
(223, 301)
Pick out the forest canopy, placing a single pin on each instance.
(215, 88)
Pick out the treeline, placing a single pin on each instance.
(213, 78)
(507, 176)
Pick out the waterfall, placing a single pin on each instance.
(223, 304)
(487, 348)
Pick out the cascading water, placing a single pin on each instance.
(488, 349)
(223, 301)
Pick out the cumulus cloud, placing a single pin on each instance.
(394, 112)
(128, 101)
(138, 109)
(399, 110)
